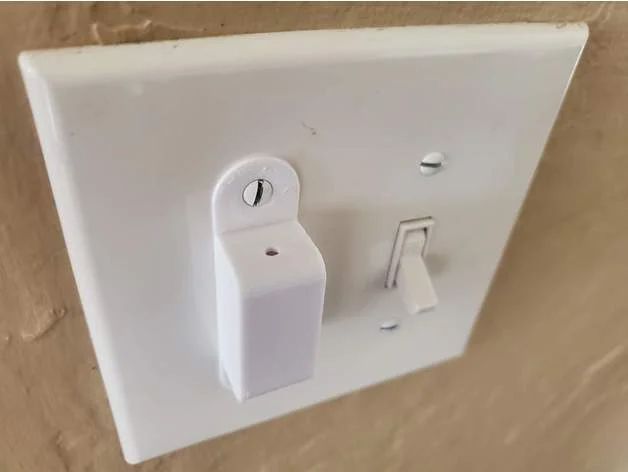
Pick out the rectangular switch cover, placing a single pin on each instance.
(135, 137)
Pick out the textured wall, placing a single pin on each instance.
(544, 385)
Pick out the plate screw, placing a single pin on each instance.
(432, 163)
(257, 193)
(389, 325)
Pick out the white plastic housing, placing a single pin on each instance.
(135, 138)
(270, 281)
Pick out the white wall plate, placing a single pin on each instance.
(136, 136)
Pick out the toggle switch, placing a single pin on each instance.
(407, 270)
(270, 278)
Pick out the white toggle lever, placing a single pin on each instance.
(407, 270)
(270, 278)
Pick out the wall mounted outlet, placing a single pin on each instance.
(136, 138)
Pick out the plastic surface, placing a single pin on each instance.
(136, 137)
(270, 281)
(407, 271)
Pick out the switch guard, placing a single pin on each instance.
(270, 281)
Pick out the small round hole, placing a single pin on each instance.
(271, 251)
(389, 325)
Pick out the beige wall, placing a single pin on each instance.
(544, 385)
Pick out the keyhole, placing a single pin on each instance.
(257, 193)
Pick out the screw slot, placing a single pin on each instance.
(272, 251)
(257, 193)
(432, 163)
(389, 325)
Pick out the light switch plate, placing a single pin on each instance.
(135, 137)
